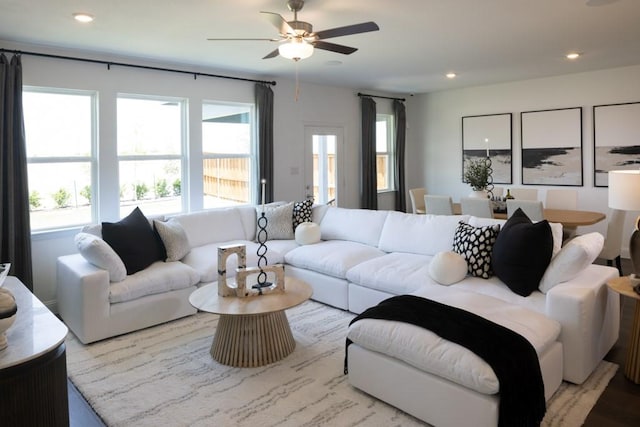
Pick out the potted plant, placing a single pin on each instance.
(476, 174)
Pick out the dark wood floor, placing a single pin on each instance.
(619, 405)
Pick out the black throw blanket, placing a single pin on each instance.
(510, 355)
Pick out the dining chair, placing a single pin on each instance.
(438, 205)
(613, 240)
(524, 193)
(563, 199)
(417, 200)
(476, 207)
(532, 208)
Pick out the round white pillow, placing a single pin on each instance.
(448, 267)
(307, 233)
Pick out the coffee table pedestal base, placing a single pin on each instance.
(249, 341)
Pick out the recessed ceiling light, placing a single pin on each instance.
(83, 17)
(573, 55)
(451, 75)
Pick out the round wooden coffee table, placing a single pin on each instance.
(252, 331)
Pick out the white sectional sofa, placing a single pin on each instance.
(363, 258)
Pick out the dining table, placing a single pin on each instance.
(569, 218)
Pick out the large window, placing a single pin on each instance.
(60, 138)
(385, 158)
(151, 141)
(228, 154)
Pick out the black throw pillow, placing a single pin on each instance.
(135, 242)
(522, 253)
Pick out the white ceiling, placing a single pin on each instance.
(483, 41)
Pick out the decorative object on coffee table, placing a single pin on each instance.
(8, 310)
(4, 271)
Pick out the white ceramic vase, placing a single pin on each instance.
(479, 194)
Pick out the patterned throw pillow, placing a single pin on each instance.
(475, 244)
(279, 226)
(301, 212)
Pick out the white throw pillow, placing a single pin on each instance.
(571, 260)
(99, 253)
(279, 222)
(174, 239)
(307, 233)
(447, 267)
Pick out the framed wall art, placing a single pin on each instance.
(552, 147)
(491, 135)
(616, 139)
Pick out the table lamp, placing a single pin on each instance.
(624, 194)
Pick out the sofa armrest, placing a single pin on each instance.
(83, 296)
(589, 314)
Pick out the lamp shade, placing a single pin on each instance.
(296, 49)
(624, 190)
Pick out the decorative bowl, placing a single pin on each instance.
(8, 312)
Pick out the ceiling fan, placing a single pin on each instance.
(297, 39)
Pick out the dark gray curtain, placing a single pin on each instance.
(400, 116)
(368, 185)
(264, 112)
(15, 230)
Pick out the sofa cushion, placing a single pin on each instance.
(395, 273)
(134, 240)
(356, 225)
(448, 267)
(419, 234)
(522, 253)
(574, 257)
(99, 253)
(204, 259)
(475, 244)
(302, 212)
(279, 219)
(212, 226)
(174, 239)
(332, 257)
(159, 277)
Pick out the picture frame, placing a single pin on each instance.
(552, 147)
(616, 139)
(490, 134)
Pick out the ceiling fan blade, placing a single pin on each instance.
(272, 54)
(267, 40)
(364, 27)
(279, 22)
(346, 50)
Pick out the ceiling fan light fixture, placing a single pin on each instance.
(83, 17)
(295, 49)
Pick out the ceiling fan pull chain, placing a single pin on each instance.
(297, 92)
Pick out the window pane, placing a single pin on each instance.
(59, 202)
(381, 136)
(226, 129)
(149, 126)
(228, 154)
(57, 124)
(226, 182)
(153, 185)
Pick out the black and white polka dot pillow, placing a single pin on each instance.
(475, 244)
(301, 212)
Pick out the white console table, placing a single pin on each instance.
(33, 367)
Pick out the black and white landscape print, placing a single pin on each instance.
(489, 135)
(552, 147)
(616, 139)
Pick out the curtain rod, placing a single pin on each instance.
(195, 74)
(384, 97)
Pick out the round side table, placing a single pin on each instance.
(624, 286)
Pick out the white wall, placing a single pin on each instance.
(435, 143)
(316, 105)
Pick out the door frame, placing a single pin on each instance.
(311, 129)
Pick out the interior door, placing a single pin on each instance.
(323, 157)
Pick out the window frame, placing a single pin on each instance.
(253, 148)
(390, 153)
(91, 159)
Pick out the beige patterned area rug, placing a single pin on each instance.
(164, 376)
